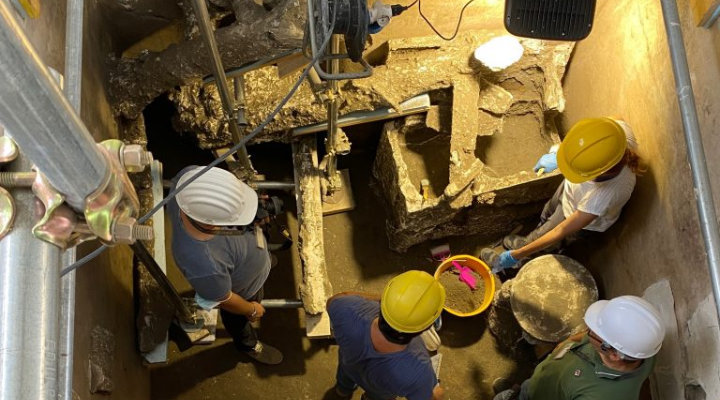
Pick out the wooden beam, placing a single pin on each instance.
(315, 288)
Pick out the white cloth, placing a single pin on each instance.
(603, 199)
(204, 303)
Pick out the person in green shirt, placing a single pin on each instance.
(609, 361)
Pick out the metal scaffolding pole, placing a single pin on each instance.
(42, 122)
(29, 311)
(203, 21)
(52, 137)
(696, 153)
(73, 90)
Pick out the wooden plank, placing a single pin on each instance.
(317, 326)
(159, 353)
(315, 287)
(342, 200)
(293, 62)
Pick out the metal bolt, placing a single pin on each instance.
(143, 232)
(135, 158)
(17, 179)
(126, 230)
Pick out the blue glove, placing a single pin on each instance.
(547, 161)
(504, 261)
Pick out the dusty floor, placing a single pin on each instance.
(358, 259)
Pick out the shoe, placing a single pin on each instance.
(489, 256)
(340, 395)
(509, 394)
(265, 354)
(273, 260)
(501, 384)
(514, 242)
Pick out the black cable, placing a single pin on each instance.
(222, 158)
(457, 27)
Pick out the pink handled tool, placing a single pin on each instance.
(465, 275)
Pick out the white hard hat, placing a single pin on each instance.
(629, 324)
(217, 197)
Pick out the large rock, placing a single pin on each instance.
(403, 68)
(478, 171)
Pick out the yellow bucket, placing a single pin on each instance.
(481, 269)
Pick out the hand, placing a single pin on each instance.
(257, 313)
(548, 162)
(504, 261)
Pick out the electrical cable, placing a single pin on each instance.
(224, 156)
(457, 27)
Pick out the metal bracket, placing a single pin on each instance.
(58, 222)
(316, 29)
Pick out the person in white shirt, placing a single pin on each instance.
(599, 162)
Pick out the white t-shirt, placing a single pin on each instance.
(604, 199)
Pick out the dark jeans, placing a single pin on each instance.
(348, 386)
(238, 326)
(551, 216)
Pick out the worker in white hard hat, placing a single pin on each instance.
(226, 267)
(380, 348)
(598, 159)
(609, 361)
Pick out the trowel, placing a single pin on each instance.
(465, 275)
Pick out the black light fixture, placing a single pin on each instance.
(569, 20)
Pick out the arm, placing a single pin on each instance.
(570, 225)
(364, 295)
(237, 305)
(438, 392)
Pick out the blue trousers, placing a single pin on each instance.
(346, 385)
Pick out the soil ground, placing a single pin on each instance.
(427, 157)
(357, 259)
(500, 151)
(459, 295)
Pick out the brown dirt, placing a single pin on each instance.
(500, 152)
(427, 157)
(459, 296)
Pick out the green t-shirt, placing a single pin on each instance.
(574, 371)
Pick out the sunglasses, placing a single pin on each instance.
(604, 346)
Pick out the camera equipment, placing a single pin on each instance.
(269, 207)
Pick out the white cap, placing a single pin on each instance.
(217, 197)
(629, 324)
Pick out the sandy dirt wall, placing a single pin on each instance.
(623, 69)
(104, 286)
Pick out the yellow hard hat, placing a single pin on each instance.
(591, 147)
(412, 301)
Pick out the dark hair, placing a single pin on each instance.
(393, 335)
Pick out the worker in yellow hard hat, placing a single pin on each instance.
(379, 345)
(599, 162)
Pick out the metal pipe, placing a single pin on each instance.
(42, 121)
(415, 105)
(268, 185)
(696, 153)
(333, 106)
(183, 312)
(239, 71)
(221, 81)
(73, 92)
(711, 15)
(67, 328)
(239, 83)
(29, 304)
(281, 303)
